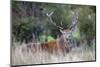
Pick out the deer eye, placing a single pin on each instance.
(69, 36)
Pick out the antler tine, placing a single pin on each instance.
(55, 24)
(75, 19)
(61, 23)
(49, 16)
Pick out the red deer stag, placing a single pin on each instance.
(62, 44)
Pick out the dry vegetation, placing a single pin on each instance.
(20, 56)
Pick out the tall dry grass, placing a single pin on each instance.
(20, 55)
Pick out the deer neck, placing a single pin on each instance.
(62, 40)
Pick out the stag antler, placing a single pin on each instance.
(75, 19)
(49, 16)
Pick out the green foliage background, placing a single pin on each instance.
(27, 15)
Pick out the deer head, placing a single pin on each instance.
(67, 33)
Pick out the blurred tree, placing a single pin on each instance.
(87, 24)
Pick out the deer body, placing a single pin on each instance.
(56, 46)
(59, 45)
(50, 46)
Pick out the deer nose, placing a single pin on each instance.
(67, 39)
